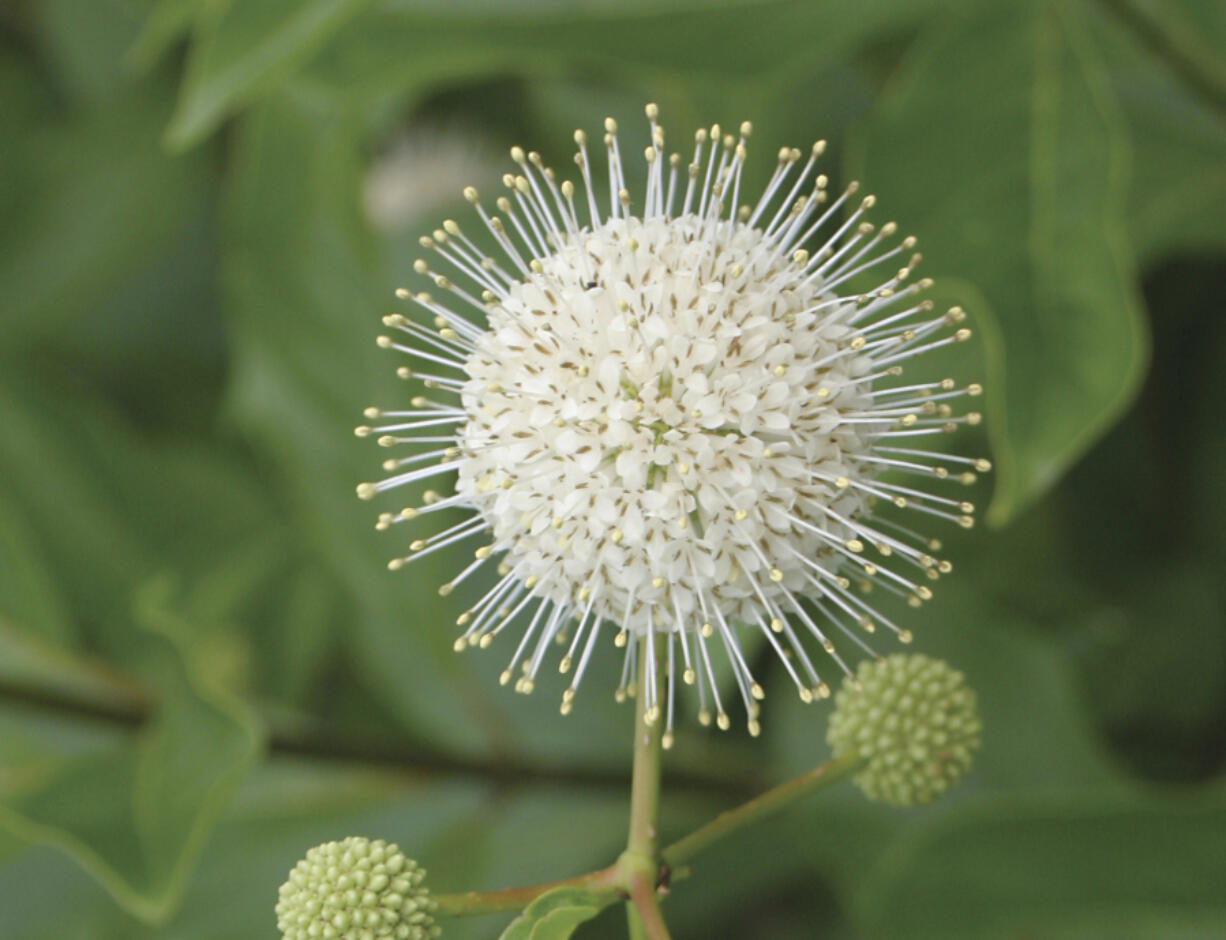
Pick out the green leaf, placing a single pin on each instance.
(1037, 736)
(304, 292)
(282, 809)
(380, 52)
(136, 814)
(167, 22)
(83, 40)
(1159, 699)
(102, 501)
(33, 664)
(1189, 34)
(1004, 634)
(1026, 867)
(26, 97)
(555, 915)
(242, 48)
(28, 593)
(1011, 169)
(400, 48)
(90, 201)
(51, 473)
(1177, 201)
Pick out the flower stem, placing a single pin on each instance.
(762, 805)
(645, 778)
(638, 870)
(606, 881)
(640, 863)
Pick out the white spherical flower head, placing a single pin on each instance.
(659, 459)
(676, 423)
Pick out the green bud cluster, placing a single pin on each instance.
(356, 889)
(913, 721)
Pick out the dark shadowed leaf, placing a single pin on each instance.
(84, 40)
(1025, 867)
(1177, 201)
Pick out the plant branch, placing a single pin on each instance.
(128, 706)
(606, 882)
(637, 872)
(646, 907)
(762, 805)
(633, 924)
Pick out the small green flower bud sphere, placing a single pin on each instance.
(915, 723)
(356, 889)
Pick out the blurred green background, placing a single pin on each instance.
(205, 667)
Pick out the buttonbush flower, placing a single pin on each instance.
(356, 889)
(670, 416)
(913, 721)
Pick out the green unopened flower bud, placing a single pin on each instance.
(913, 720)
(356, 889)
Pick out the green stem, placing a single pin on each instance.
(645, 777)
(607, 881)
(640, 863)
(633, 923)
(762, 805)
(646, 907)
(637, 872)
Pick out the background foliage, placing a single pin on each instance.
(205, 667)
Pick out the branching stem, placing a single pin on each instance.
(640, 870)
(606, 881)
(760, 806)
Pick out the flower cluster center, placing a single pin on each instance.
(658, 388)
